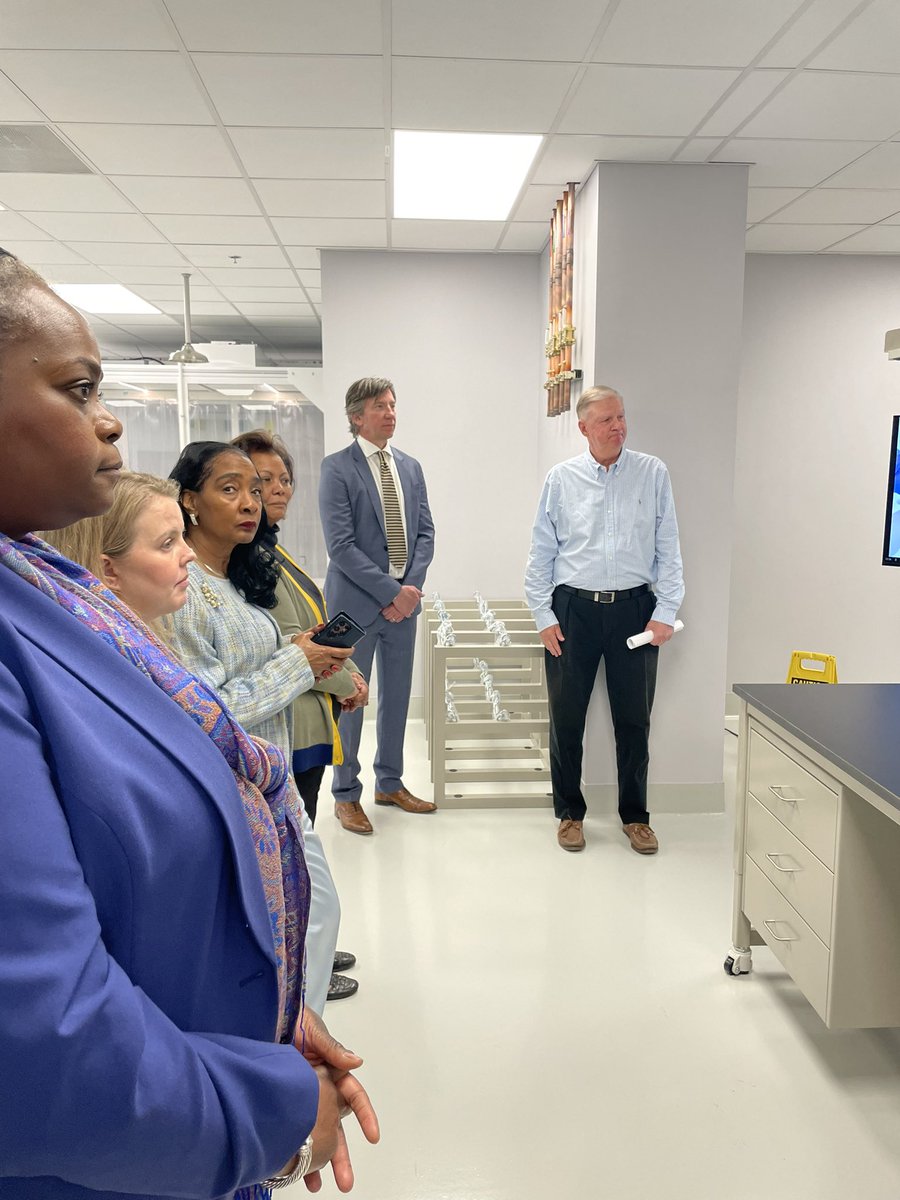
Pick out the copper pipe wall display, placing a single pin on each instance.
(560, 330)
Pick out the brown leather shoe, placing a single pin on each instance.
(569, 835)
(642, 838)
(352, 817)
(405, 800)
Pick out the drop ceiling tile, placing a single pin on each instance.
(692, 32)
(15, 227)
(169, 150)
(157, 194)
(446, 235)
(203, 230)
(158, 321)
(762, 202)
(697, 150)
(310, 278)
(661, 101)
(15, 105)
(842, 206)
(478, 95)
(96, 227)
(869, 43)
(129, 254)
(304, 256)
(314, 295)
(59, 193)
(265, 295)
(40, 254)
(172, 292)
(249, 257)
(76, 274)
(473, 29)
(138, 274)
(287, 27)
(795, 239)
(322, 197)
(571, 157)
(785, 163)
(813, 26)
(310, 153)
(538, 203)
(243, 277)
(287, 311)
(199, 308)
(879, 168)
(750, 93)
(326, 90)
(818, 104)
(145, 87)
(61, 25)
(324, 231)
(526, 235)
(879, 239)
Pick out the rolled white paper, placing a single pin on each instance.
(641, 639)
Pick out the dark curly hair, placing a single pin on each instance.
(252, 568)
(260, 441)
(18, 316)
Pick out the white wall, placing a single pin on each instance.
(459, 334)
(816, 399)
(668, 256)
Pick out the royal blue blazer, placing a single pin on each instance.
(138, 988)
(357, 580)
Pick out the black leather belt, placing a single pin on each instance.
(605, 597)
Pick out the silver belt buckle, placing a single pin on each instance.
(604, 597)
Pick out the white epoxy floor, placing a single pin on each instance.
(540, 1025)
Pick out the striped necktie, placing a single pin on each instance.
(393, 519)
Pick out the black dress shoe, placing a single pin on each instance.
(341, 987)
(343, 961)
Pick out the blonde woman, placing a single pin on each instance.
(139, 551)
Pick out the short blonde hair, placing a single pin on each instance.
(112, 534)
(599, 392)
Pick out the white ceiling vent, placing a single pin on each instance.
(26, 148)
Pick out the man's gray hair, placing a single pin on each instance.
(592, 395)
(361, 391)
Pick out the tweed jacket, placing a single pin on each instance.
(238, 650)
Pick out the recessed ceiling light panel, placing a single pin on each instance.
(103, 299)
(460, 176)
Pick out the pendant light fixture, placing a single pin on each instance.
(187, 353)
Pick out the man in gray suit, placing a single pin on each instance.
(380, 540)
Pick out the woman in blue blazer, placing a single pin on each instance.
(148, 992)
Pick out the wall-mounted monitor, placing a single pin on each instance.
(891, 553)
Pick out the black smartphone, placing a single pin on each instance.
(340, 631)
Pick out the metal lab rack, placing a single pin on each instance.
(476, 761)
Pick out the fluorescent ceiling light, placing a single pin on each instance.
(124, 403)
(460, 176)
(259, 407)
(107, 299)
(235, 391)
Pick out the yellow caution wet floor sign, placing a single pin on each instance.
(812, 668)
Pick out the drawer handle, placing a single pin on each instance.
(778, 791)
(778, 866)
(769, 924)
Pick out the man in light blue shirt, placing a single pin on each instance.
(605, 563)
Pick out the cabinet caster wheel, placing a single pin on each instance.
(737, 965)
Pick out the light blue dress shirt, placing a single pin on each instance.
(605, 530)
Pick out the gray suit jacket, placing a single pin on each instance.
(357, 581)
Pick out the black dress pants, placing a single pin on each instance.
(593, 631)
(308, 783)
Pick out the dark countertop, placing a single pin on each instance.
(854, 725)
